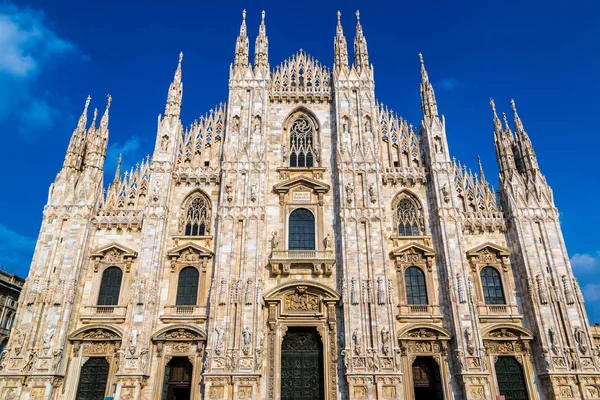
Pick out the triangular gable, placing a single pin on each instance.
(126, 251)
(285, 186)
(502, 251)
(418, 247)
(176, 251)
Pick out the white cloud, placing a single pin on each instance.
(27, 44)
(449, 83)
(17, 251)
(26, 41)
(591, 292)
(585, 261)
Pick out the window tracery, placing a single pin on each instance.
(302, 146)
(197, 217)
(407, 216)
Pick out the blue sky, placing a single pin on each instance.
(545, 54)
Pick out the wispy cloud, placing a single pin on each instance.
(448, 84)
(131, 149)
(591, 292)
(17, 250)
(27, 44)
(585, 261)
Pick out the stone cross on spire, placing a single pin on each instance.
(261, 48)
(340, 47)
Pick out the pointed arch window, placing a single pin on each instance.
(301, 230)
(407, 217)
(187, 287)
(110, 287)
(416, 289)
(302, 146)
(492, 286)
(197, 217)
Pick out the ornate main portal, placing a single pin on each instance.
(302, 342)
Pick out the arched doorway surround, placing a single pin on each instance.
(425, 340)
(180, 341)
(93, 341)
(302, 304)
(506, 340)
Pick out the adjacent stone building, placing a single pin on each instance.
(10, 289)
(300, 241)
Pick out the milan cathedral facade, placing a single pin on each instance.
(300, 241)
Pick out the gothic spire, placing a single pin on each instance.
(361, 55)
(428, 103)
(75, 150)
(340, 47)
(261, 48)
(526, 152)
(97, 139)
(503, 142)
(118, 170)
(173, 106)
(497, 124)
(481, 174)
(241, 45)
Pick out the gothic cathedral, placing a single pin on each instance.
(300, 241)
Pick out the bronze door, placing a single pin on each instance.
(511, 381)
(302, 365)
(92, 382)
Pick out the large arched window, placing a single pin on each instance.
(416, 290)
(110, 287)
(197, 217)
(302, 146)
(301, 230)
(492, 286)
(407, 216)
(187, 287)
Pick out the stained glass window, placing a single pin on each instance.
(407, 217)
(197, 217)
(302, 153)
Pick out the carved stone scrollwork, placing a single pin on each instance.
(113, 254)
(189, 254)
